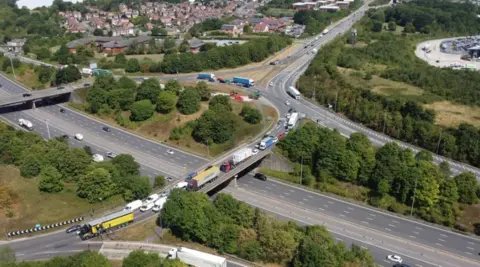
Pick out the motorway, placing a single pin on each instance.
(155, 161)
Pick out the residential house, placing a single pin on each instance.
(195, 45)
(343, 4)
(304, 5)
(16, 45)
(230, 29)
(329, 8)
(260, 27)
(73, 45)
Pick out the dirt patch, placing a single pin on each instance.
(449, 114)
(151, 57)
(30, 206)
(470, 217)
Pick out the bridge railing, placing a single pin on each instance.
(225, 176)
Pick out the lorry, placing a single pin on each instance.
(25, 124)
(203, 178)
(196, 258)
(237, 158)
(206, 76)
(190, 176)
(292, 91)
(325, 31)
(266, 143)
(105, 224)
(243, 81)
(293, 120)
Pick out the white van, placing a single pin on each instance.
(159, 204)
(134, 205)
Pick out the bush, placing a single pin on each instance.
(189, 101)
(251, 115)
(159, 181)
(142, 110)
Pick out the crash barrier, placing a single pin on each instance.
(43, 228)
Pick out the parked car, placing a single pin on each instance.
(73, 228)
(61, 87)
(260, 176)
(97, 158)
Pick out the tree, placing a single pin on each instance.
(45, 74)
(424, 155)
(98, 32)
(159, 181)
(251, 115)
(166, 101)
(7, 255)
(96, 185)
(142, 110)
(466, 186)
(174, 86)
(168, 43)
(220, 102)
(30, 166)
(409, 28)
(392, 26)
(93, 259)
(377, 26)
(132, 65)
(120, 59)
(127, 165)
(159, 32)
(359, 144)
(139, 258)
(43, 53)
(67, 75)
(149, 89)
(126, 83)
(449, 190)
(50, 180)
(189, 101)
(63, 55)
(121, 98)
(203, 90)
(136, 188)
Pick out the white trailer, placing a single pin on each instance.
(293, 120)
(25, 124)
(293, 92)
(241, 155)
(196, 258)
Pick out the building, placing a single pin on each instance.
(107, 45)
(195, 45)
(260, 27)
(16, 45)
(343, 4)
(230, 29)
(329, 8)
(304, 5)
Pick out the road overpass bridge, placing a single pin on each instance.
(31, 97)
(224, 177)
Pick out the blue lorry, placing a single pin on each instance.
(266, 143)
(190, 176)
(206, 76)
(243, 81)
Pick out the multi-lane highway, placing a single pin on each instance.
(152, 157)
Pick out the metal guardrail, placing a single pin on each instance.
(223, 178)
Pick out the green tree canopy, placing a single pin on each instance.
(166, 102)
(50, 180)
(132, 65)
(189, 101)
(96, 185)
(251, 115)
(142, 110)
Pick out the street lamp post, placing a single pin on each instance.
(413, 201)
(48, 128)
(13, 69)
(301, 170)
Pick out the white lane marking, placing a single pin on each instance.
(310, 196)
(282, 196)
(300, 202)
(439, 244)
(470, 248)
(305, 199)
(342, 215)
(370, 219)
(418, 228)
(286, 193)
(326, 206)
(364, 222)
(268, 188)
(373, 215)
(443, 235)
(293, 191)
(330, 202)
(394, 221)
(338, 239)
(471, 243)
(417, 233)
(388, 229)
(347, 212)
(468, 253)
(321, 209)
(412, 236)
(391, 225)
(441, 240)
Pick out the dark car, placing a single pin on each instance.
(65, 136)
(401, 265)
(61, 87)
(72, 229)
(106, 129)
(62, 110)
(260, 176)
(86, 84)
(26, 95)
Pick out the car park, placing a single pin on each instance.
(260, 176)
(395, 258)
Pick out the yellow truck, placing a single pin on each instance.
(104, 224)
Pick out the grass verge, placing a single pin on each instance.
(30, 206)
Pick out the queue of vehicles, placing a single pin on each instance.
(245, 82)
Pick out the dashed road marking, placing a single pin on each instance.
(470, 248)
(388, 229)
(418, 228)
(364, 222)
(468, 253)
(441, 240)
(330, 202)
(438, 244)
(286, 193)
(412, 236)
(391, 225)
(342, 215)
(346, 211)
(417, 233)
(350, 208)
(471, 243)
(326, 206)
(373, 215)
(370, 219)
(321, 209)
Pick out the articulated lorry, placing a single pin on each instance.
(237, 158)
(203, 178)
(293, 92)
(206, 76)
(266, 143)
(105, 224)
(25, 124)
(196, 258)
(244, 81)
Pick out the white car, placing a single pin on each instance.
(79, 136)
(287, 103)
(182, 185)
(152, 198)
(271, 83)
(165, 194)
(147, 206)
(110, 155)
(169, 151)
(255, 151)
(97, 158)
(159, 204)
(287, 115)
(275, 139)
(395, 258)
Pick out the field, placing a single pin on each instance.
(31, 207)
(451, 115)
(27, 77)
(159, 126)
(152, 57)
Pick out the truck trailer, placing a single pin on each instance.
(292, 91)
(293, 120)
(206, 76)
(25, 124)
(266, 143)
(237, 158)
(196, 258)
(108, 223)
(203, 178)
(244, 81)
